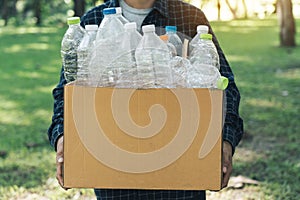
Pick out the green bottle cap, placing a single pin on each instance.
(73, 20)
(206, 36)
(222, 83)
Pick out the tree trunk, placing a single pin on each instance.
(4, 12)
(219, 10)
(286, 22)
(246, 9)
(79, 7)
(232, 10)
(37, 6)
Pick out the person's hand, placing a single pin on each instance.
(60, 162)
(227, 163)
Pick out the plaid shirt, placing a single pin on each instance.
(186, 17)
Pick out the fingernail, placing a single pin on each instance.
(224, 169)
(60, 160)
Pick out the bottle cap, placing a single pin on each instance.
(164, 38)
(131, 25)
(171, 28)
(222, 83)
(73, 20)
(91, 27)
(118, 10)
(148, 28)
(109, 11)
(206, 36)
(202, 28)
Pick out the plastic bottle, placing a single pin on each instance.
(206, 76)
(200, 30)
(69, 46)
(125, 63)
(120, 16)
(107, 42)
(172, 48)
(111, 26)
(174, 39)
(152, 57)
(205, 52)
(84, 53)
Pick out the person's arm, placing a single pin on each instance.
(56, 129)
(233, 126)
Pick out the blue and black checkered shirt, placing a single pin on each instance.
(165, 13)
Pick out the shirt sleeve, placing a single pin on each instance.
(56, 128)
(233, 126)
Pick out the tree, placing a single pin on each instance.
(287, 23)
(79, 7)
(37, 6)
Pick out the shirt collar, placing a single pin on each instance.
(159, 5)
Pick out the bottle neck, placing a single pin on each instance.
(171, 32)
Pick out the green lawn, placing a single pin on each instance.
(268, 78)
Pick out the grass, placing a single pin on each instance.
(268, 78)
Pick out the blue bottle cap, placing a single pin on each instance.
(171, 28)
(109, 11)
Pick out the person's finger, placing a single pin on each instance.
(59, 170)
(227, 164)
(60, 162)
(226, 176)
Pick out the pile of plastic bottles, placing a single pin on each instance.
(115, 54)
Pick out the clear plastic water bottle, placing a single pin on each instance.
(173, 38)
(111, 26)
(172, 48)
(120, 16)
(180, 67)
(69, 46)
(205, 52)
(201, 29)
(84, 53)
(152, 57)
(125, 63)
(206, 76)
(107, 43)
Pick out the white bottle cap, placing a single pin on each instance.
(202, 28)
(148, 28)
(91, 27)
(118, 10)
(131, 25)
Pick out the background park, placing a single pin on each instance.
(261, 41)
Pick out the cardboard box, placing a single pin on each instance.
(143, 139)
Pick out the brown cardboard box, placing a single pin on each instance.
(146, 139)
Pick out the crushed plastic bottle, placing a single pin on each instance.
(206, 76)
(205, 52)
(69, 46)
(125, 63)
(180, 67)
(173, 38)
(201, 29)
(152, 57)
(84, 53)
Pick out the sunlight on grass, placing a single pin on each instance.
(291, 74)
(252, 23)
(246, 155)
(26, 30)
(17, 48)
(262, 103)
(241, 58)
